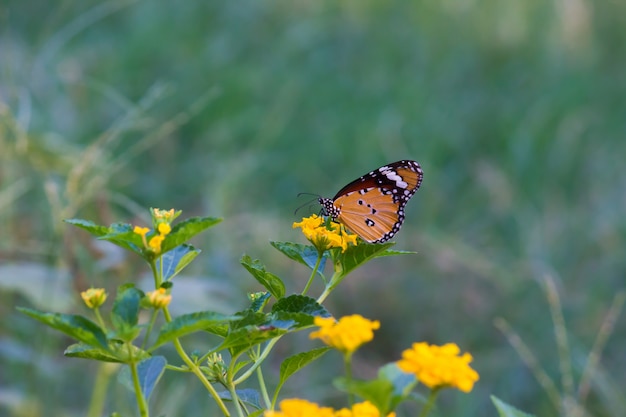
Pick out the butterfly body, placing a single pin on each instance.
(372, 206)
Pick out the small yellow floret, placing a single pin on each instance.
(322, 237)
(155, 243)
(94, 297)
(159, 298)
(364, 409)
(347, 334)
(164, 228)
(439, 366)
(300, 408)
(141, 231)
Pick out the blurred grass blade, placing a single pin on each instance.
(506, 410)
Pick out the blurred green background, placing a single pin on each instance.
(516, 111)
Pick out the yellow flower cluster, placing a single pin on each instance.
(347, 334)
(159, 298)
(439, 366)
(303, 408)
(94, 297)
(162, 220)
(324, 236)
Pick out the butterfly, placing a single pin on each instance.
(372, 206)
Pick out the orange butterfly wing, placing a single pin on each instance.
(373, 205)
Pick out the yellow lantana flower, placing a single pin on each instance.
(439, 366)
(159, 298)
(364, 409)
(300, 408)
(94, 297)
(347, 334)
(322, 237)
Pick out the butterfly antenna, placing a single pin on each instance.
(308, 203)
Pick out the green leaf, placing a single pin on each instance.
(187, 229)
(247, 395)
(149, 372)
(77, 327)
(270, 281)
(390, 388)
(117, 352)
(125, 312)
(252, 329)
(506, 410)
(355, 256)
(300, 304)
(376, 391)
(259, 300)
(190, 323)
(122, 235)
(176, 260)
(294, 363)
(89, 226)
(403, 383)
(304, 254)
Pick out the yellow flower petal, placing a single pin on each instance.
(322, 237)
(439, 366)
(300, 408)
(347, 334)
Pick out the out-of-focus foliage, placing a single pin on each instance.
(515, 110)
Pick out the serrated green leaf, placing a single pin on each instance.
(176, 260)
(77, 327)
(355, 256)
(290, 321)
(297, 303)
(294, 363)
(506, 410)
(270, 281)
(259, 301)
(117, 352)
(190, 323)
(187, 229)
(304, 254)
(122, 235)
(125, 312)
(244, 338)
(149, 372)
(247, 395)
(89, 226)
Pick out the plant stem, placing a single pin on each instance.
(431, 402)
(195, 369)
(263, 388)
(141, 400)
(158, 278)
(258, 362)
(347, 359)
(328, 289)
(320, 256)
(149, 329)
(96, 311)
